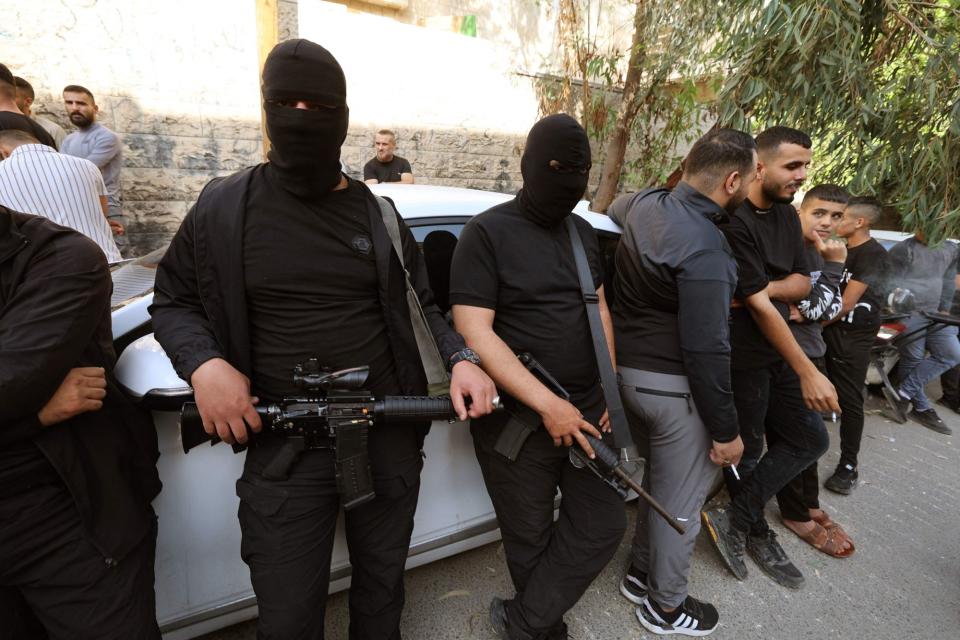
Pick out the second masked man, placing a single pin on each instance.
(514, 288)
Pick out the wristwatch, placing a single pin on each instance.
(467, 354)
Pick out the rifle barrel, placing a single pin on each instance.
(633, 484)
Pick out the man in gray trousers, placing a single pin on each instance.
(675, 279)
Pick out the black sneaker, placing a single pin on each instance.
(949, 403)
(770, 556)
(498, 618)
(728, 540)
(898, 406)
(634, 585)
(843, 480)
(692, 618)
(930, 420)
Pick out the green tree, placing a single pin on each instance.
(650, 99)
(875, 83)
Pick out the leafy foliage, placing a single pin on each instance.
(669, 104)
(875, 83)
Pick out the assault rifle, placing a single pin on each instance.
(607, 464)
(336, 413)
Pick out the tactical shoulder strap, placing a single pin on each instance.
(438, 382)
(608, 377)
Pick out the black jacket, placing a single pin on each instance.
(199, 307)
(675, 277)
(55, 315)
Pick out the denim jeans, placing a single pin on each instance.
(769, 403)
(915, 369)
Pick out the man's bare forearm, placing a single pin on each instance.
(793, 288)
(607, 322)
(499, 361)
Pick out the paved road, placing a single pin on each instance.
(902, 583)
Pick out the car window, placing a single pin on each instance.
(420, 232)
(437, 240)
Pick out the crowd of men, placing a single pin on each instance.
(72, 179)
(737, 322)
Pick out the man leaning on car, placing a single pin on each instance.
(77, 460)
(514, 288)
(278, 263)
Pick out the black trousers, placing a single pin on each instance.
(803, 492)
(55, 584)
(769, 403)
(288, 530)
(551, 564)
(950, 384)
(848, 356)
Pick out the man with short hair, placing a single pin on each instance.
(514, 288)
(774, 383)
(69, 191)
(25, 97)
(799, 502)
(851, 335)
(77, 459)
(290, 260)
(930, 273)
(99, 145)
(674, 283)
(10, 115)
(387, 167)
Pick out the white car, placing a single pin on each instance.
(201, 582)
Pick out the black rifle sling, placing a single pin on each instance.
(438, 380)
(608, 377)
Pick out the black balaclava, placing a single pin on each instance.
(549, 194)
(306, 142)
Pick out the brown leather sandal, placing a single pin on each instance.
(825, 521)
(830, 541)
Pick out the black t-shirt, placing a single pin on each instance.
(768, 246)
(311, 286)
(527, 274)
(11, 120)
(386, 171)
(23, 461)
(866, 263)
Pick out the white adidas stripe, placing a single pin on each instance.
(653, 612)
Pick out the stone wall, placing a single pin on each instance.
(452, 157)
(179, 81)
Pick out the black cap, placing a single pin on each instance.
(5, 75)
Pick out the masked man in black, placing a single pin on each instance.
(77, 460)
(278, 263)
(514, 288)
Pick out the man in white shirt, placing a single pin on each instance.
(35, 179)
